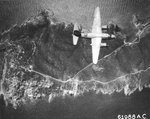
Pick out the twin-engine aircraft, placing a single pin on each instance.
(96, 35)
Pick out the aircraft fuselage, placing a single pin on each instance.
(96, 35)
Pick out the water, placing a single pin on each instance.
(88, 106)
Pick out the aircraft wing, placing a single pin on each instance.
(96, 42)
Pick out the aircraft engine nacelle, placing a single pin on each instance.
(76, 33)
(111, 28)
(104, 45)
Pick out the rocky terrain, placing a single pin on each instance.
(39, 61)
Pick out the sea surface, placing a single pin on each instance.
(87, 106)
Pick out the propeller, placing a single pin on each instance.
(77, 33)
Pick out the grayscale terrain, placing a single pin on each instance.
(44, 74)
